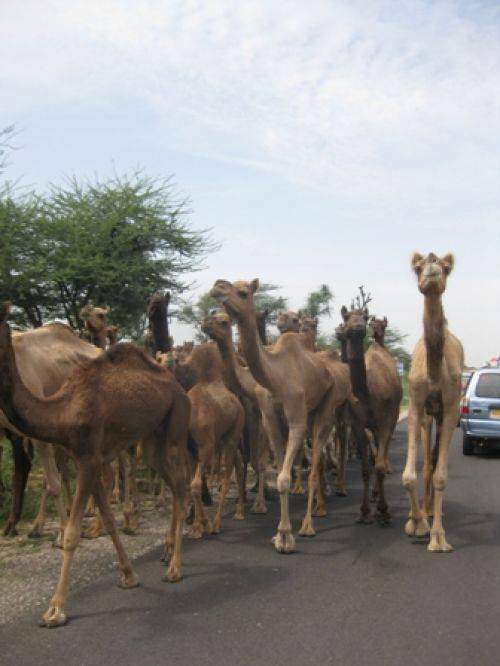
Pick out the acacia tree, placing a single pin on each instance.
(107, 242)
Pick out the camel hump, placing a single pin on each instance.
(128, 354)
(207, 361)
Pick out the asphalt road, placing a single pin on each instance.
(355, 594)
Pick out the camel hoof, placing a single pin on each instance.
(54, 617)
(383, 518)
(297, 490)
(258, 508)
(216, 526)
(129, 530)
(10, 530)
(195, 532)
(239, 515)
(307, 530)
(438, 543)
(340, 493)
(365, 519)
(172, 576)
(284, 542)
(128, 581)
(35, 533)
(319, 512)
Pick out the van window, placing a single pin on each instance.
(488, 385)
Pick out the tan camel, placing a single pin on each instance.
(378, 327)
(142, 401)
(377, 386)
(215, 426)
(300, 382)
(45, 357)
(95, 321)
(434, 392)
(240, 381)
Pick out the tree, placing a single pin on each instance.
(110, 242)
(6, 136)
(318, 302)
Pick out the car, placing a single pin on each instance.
(480, 410)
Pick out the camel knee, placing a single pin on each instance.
(71, 538)
(439, 481)
(283, 482)
(196, 487)
(53, 488)
(409, 480)
(381, 467)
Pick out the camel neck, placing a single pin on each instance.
(356, 360)
(231, 367)
(33, 416)
(254, 352)
(379, 339)
(434, 330)
(159, 330)
(343, 351)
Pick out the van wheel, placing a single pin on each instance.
(468, 446)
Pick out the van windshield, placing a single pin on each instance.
(488, 385)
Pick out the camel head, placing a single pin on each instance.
(288, 322)
(217, 326)
(378, 326)
(340, 333)
(308, 325)
(157, 303)
(236, 297)
(94, 319)
(355, 321)
(432, 272)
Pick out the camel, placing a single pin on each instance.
(95, 325)
(45, 357)
(434, 392)
(303, 384)
(240, 381)
(378, 327)
(288, 322)
(158, 323)
(142, 401)
(377, 386)
(215, 426)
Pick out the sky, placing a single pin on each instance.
(322, 141)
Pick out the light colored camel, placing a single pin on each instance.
(215, 426)
(377, 386)
(95, 321)
(300, 382)
(45, 357)
(240, 381)
(142, 401)
(434, 392)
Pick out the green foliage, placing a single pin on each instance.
(6, 136)
(265, 299)
(109, 242)
(318, 302)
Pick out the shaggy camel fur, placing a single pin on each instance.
(45, 357)
(377, 386)
(302, 383)
(143, 401)
(240, 381)
(434, 391)
(215, 426)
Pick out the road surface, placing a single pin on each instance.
(355, 594)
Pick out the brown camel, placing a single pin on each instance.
(45, 357)
(240, 381)
(303, 385)
(158, 323)
(215, 426)
(377, 386)
(434, 392)
(95, 321)
(378, 327)
(142, 401)
(288, 322)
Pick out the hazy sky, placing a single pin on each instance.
(322, 141)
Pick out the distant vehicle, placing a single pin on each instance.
(466, 375)
(480, 410)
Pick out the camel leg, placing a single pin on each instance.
(63, 466)
(417, 524)
(117, 469)
(363, 446)
(320, 509)
(341, 446)
(97, 528)
(22, 467)
(428, 467)
(129, 514)
(296, 416)
(128, 578)
(240, 478)
(86, 479)
(383, 439)
(2, 486)
(298, 467)
(230, 443)
(174, 473)
(53, 489)
(257, 454)
(438, 543)
(201, 525)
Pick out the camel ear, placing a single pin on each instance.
(344, 312)
(385, 321)
(167, 297)
(254, 285)
(415, 260)
(448, 261)
(4, 311)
